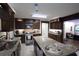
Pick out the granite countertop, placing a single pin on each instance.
(8, 52)
(37, 33)
(43, 42)
(28, 33)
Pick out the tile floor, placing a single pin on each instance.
(27, 50)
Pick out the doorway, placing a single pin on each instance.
(44, 29)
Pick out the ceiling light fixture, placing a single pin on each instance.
(20, 20)
(39, 15)
(36, 14)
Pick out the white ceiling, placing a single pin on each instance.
(25, 10)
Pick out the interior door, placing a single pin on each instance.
(45, 29)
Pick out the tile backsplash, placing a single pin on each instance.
(10, 34)
(55, 31)
(2, 33)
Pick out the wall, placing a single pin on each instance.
(67, 28)
(76, 32)
(68, 25)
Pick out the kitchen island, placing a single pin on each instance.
(11, 48)
(51, 47)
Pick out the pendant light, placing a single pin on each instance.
(36, 14)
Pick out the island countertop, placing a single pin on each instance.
(65, 48)
(8, 52)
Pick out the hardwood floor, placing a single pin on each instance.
(73, 42)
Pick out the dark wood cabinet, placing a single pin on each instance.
(27, 23)
(6, 17)
(36, 24)
(56, 24)
(19, 24)
(56, 37)
(7, 25)
(23, 24)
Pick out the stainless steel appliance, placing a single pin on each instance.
(28, 38)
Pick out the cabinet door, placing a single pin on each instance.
(56, 25)
(6, 15)
(19, 24)
(36, 24)
(5, 25)
(0, 24)
(11, 23)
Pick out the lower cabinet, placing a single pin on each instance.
(56, 37)
(17, 51)
(38, 51)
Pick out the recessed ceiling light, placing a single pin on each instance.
(39, 15)
(19, 20)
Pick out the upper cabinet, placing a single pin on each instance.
(19, 23)
(56, 23)
(6, 17)
(23, 23)
(36, 24)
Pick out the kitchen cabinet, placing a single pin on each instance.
(56, 37)
(37, 50)
(0, 24)
(56, 23)
(7, 17)
(36, 24)
(19, 24)
(27, 23)
(7, 25)
(23, 24)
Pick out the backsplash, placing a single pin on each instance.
(20, 31)
(10, 34)
(55, 31)
(2, 33)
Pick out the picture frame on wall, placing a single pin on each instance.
(76, 28)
